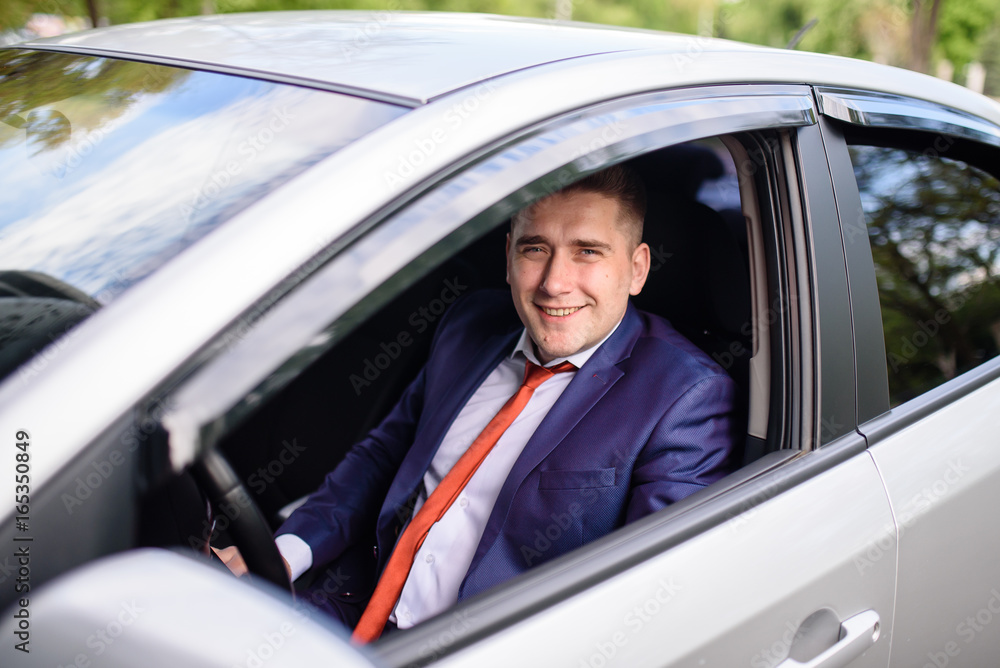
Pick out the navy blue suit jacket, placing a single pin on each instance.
(648, 420)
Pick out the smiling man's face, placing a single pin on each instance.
(571, 267)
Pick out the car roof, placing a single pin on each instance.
(411, 58)
(404, 57)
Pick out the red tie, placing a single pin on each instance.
(398, 569)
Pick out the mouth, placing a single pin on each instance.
(559, 312)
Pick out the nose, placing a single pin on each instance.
(558, 276)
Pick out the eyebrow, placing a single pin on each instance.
(532, 240)
(537, 239)
(591, 243)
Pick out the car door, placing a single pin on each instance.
(762, 568)
(918, 183)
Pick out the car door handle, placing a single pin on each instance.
(857, 634)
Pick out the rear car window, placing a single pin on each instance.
(934, 226)
(109, 168)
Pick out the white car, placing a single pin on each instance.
(225, 242)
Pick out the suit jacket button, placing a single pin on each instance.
(375, 552)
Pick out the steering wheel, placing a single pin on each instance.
(249, 529)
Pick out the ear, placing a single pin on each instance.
(640, 268)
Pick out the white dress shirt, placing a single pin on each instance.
(446, 554)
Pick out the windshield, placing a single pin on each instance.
(110, 168)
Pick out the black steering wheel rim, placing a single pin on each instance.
(248, 527)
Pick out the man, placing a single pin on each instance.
(628, 417)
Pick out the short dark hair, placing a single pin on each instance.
(618, 182)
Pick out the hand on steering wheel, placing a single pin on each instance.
(233, 560)
(249, 530)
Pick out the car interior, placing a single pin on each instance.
(700, 279)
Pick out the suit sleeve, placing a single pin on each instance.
(344, 510)
(346, 505)
(691, 446)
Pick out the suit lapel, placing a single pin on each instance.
(587, 388)
(461, 381)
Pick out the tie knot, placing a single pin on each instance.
(535, 375)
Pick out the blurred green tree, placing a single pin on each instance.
(965, 27)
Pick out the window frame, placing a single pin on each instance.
(429, 228)
(896, 118)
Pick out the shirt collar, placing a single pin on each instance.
(578, 359)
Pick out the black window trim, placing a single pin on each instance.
(835, 383)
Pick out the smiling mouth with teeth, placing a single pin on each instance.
(560, 311)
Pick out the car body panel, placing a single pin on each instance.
(115, 611)
(948, 543)
(720, 599)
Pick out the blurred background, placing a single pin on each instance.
(957, 40)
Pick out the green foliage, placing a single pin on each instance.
(15, 13)
(990, 57)
(963, 29)
(855, 28)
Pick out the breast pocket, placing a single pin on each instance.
(587, 479)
